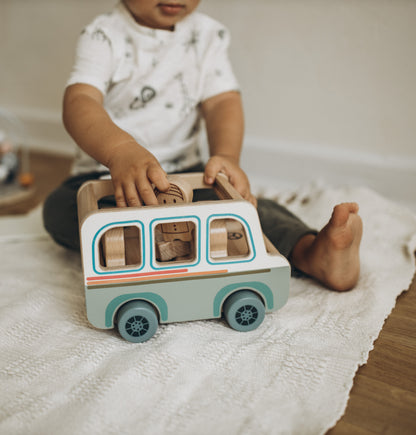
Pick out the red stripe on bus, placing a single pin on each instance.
(134, 275)
(106, 281)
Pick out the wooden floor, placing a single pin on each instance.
(383, 398)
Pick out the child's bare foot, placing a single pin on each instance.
(332, 256)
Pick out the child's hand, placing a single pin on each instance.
(133, 169)
(236, 176)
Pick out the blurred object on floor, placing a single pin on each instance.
(9, 162)
(15, 176)
(49, 170)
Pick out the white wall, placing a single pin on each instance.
(37, 42)
(339, 73)
(330, 74)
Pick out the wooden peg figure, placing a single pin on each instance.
(180, 191)
(176, 238)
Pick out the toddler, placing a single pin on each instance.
(145, 77)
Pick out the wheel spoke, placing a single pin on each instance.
(137, 326)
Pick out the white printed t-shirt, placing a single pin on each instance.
(153, 80)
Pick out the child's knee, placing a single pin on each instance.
(60, 218)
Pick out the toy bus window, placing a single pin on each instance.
(227, 239)
(175, 241)
(120, 247)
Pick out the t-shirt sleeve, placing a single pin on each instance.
(93, 60)
(218, 75)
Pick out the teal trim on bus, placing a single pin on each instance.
(155, 299)
(154, 265)
(260, 287)
(116, 225)
(252, 246)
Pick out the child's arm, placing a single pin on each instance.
(132, 167)
(224, 120)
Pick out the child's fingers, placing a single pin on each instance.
(211, 170)
(240, 185)
(159, 178)
(134, 193)
(236, 176)
(248, 196)
(131, 194)
(135, 190)
(240, 182)
(146, 192)
(119, 196)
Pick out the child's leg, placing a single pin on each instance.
(282, 227)
(60, 212)
(331, 255)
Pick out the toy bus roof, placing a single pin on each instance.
(92, 191)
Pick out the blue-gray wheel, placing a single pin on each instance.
(244, 310)
(137, 321)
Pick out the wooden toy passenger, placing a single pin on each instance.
(145, 75)
(173, 240)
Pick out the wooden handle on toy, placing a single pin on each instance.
(89, 194)
(224, 189)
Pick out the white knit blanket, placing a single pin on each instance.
(290, 376)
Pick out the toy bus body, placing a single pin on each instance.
(180, 291)
(191, 288)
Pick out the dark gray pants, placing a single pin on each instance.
(61, 219)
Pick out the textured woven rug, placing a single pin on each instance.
(290, 376)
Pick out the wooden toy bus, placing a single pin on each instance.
(177, 261)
